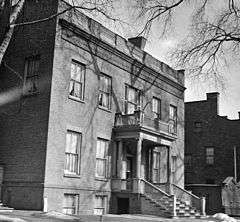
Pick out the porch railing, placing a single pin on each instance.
(138, 118)
(167, 201)
(188, 197)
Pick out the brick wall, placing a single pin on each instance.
(90, 120)
(24, 121)
(216, 131)
(33, 129)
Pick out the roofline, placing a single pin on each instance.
(74, 28)
(170, 75)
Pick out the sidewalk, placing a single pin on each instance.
(37, 216)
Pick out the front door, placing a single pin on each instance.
(156, 167)
(159, 168)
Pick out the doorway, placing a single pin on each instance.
(123, 205)
(129, 171)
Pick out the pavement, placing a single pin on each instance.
(37, 216)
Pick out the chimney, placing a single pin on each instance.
(139, 41)
(213, 99)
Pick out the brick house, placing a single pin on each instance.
(209, 150)
(98, 127)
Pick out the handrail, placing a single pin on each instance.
(120, 114)
(155, 187)
(141, 119)
(158, 120)
(185, 191)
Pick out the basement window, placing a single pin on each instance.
(70, 204)
(100, 204)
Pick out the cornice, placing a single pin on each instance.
(138, 65)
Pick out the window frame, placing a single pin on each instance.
(105, 158)
(79, 64)
(109, 94)
(157, 115)
(78, 153)
(198, 126)
(188, 160)
(76, 203)
(104, 201)
(31, 78)
(173, 164)
(173, 120)
(137, 104)
(209, 158)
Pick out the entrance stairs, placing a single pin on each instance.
(182, 204)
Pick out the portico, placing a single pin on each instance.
(141, 152)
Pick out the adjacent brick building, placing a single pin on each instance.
(209, 149)
(90, 119)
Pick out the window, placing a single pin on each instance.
(173, 119)
(156, 108)
(174, 164)
(31, 73)
(105, 91)
(132, 99)
(156, 166)
(210, 155)
(100, 204)
(72, 153)
(76, 88)
(101, 158)
(197, 126)
(188, 160)
(70, 204)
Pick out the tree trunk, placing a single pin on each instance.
(5, 8)
(9, 32)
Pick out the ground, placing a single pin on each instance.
(36, 216)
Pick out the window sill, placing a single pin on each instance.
(76, 99)
(71, 175)
(101, 179)
(30, 94)
(104, 109)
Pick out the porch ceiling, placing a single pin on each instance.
(156, 138)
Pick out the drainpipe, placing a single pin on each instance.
(235, 162)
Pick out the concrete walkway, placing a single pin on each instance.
(37, 216)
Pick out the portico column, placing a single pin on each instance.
(114, 159)
(139, 156)
(119, 161)
(169, 179)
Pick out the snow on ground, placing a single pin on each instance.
(10, 219)
(55, 214)
(221, 217)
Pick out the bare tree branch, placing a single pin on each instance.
(214, 36)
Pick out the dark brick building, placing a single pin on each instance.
(209, 149)
(90, 120)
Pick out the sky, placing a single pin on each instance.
(229, 98)
(229, 102)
